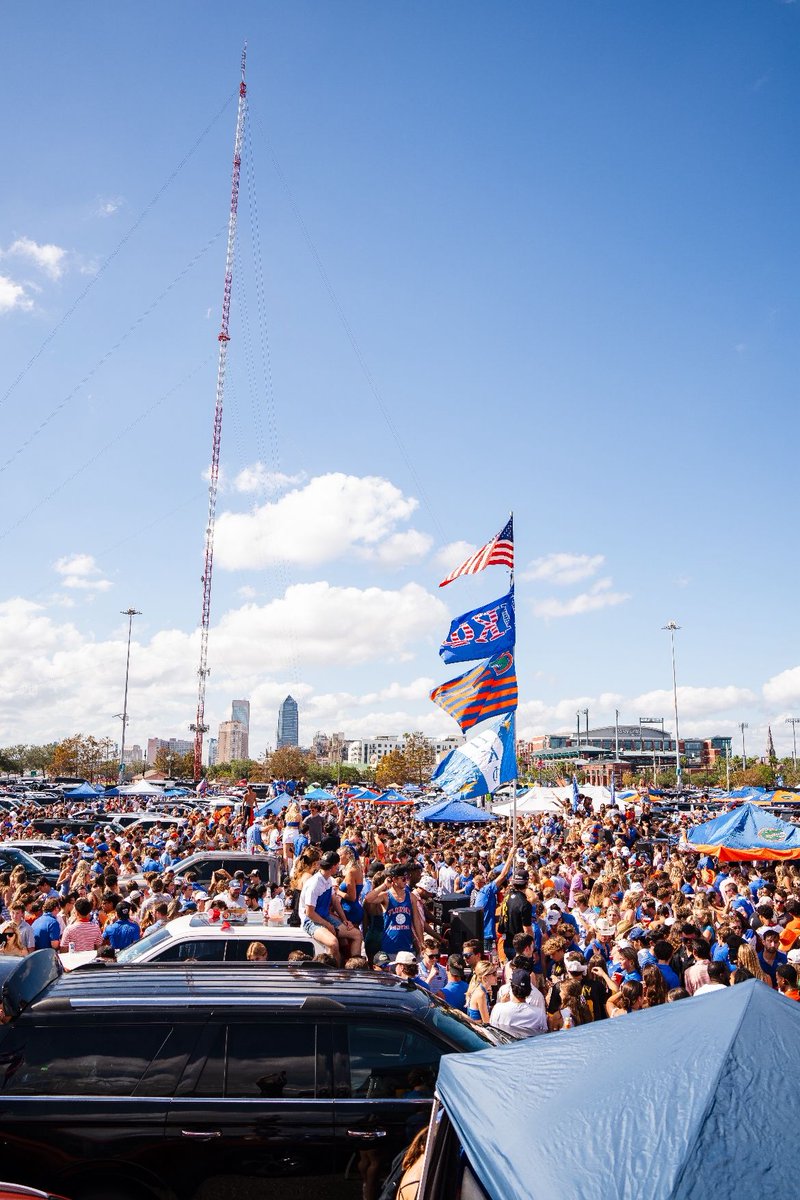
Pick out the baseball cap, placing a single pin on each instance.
(605, 928)
(520, 879)
(575, 966)
(123, 910)
(406, 958)
(329, 859)
(765, 929)
(381, 959)
(794, 957)
(427, 884)
(553, 916)
(397, 870)
(638, 934)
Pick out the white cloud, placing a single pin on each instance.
(696, 702)
(332, 516)
(418, 689)
(55, 680)
(599, 596)
(45, 255)
(401, 549)
(246, 592)
(13, 295)
(81, 571)
(564, 568)
(257, 478)
(108, 205)
(783, 690)
(452, 555)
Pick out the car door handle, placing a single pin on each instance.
(367, 1135)
(201, 1135)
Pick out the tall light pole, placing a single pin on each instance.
(130, 613)
(743, 725)
(578, 715)
(672, 626)
(616, 734)
(586, 715)
(727, 766)
(793, 721)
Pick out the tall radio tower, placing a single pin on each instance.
(199, 727)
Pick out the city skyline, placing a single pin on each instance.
(537, 260)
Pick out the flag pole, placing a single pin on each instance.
(514, 722)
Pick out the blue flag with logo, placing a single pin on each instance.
(576, 796)
(482, 632)
(484, 762)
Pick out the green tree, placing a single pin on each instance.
(420, 758)
(392, 770)
(290, 762)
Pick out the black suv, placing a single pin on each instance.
(152, 1082)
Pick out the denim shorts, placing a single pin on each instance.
(311, 927)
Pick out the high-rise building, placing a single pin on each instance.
(232, 741)
(288, 724)
(212, 751)
(153, 747)
(240, 711)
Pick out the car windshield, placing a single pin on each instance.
(139, 949)
(31, 864)
(465, 1033)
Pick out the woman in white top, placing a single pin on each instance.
(291, 828)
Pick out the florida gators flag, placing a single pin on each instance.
(484, 762)
(485, 691)
(498, 552)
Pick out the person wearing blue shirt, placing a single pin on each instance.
(663, 952)
(771, 957)
(46, 929)
(484, 897)
(455, 990)
(122, 932)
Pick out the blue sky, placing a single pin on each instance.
(512, 256)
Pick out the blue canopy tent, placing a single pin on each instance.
(390, 796)
(362, 794)
(664, 1100)
(84, 791)
(746, 834)
(274, 806)
(319, 794)
(747, 793)
(455, 812)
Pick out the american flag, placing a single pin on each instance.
(499, 552)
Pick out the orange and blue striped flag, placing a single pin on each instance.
(486, 691)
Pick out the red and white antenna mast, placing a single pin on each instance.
(199, 725)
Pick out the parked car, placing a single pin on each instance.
(46, 851)
(205, 862)
(152, 1082)
(200, 939)
(12, 856)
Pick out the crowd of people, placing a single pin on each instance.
(585, 916)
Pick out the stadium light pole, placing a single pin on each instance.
(130, 613)
(743, 725)
(672, 626)
(794, 721)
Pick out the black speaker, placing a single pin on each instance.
(466, 924)
(444, 906)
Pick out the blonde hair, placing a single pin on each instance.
(480, 972)
(746, 957)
